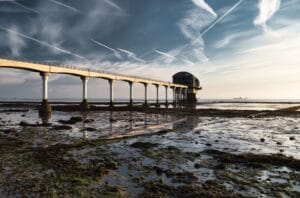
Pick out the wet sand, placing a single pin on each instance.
(149, 152)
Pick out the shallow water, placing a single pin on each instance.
(175, 157)
(245, 106)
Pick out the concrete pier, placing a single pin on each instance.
(111, 92)
(45, 107)
(146, 95)
(130, 94)
(166, 103)
(84, 73)
(174, 96)
(157, 96)
(84, 104)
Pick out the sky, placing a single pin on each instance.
(237, 48)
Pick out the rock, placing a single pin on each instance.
(10, 131)
(23, 123)
(61, 127)
(262, 139)
(208, 144)
(278, 143)
(72, 120)
(90, 129)
(26, 124)
(220, 166)
(88, 121)
(197, 165)
(23, 115)
(112, 120)
(158, 170)
(292, 138)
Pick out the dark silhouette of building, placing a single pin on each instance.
(188, 79)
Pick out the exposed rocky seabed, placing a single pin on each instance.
(153, 153)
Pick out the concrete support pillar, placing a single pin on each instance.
(185, 93)
(130, 94)
(166, 95)
(180, 94)
(45, 106)
(84, 104)
(111, 92)
(174, 96)
(157, 95)
(146, 95)
(45, 77)
(84, 88)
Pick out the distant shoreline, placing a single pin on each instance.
(123, 102)
(180, 111)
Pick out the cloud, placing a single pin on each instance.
(131, 55)
(195, 25)
(221, 18)
(115, 52)
(40, 42)
(112, 4)
(191, 26)
(16, 43)
(165, 54)
(202, 4)
(25, 7)
(65, 6)
(267, 9)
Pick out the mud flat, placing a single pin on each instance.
(149, 153)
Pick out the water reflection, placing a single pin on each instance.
(45, 117)
(189, 122)
(113, 123)
(85, 134)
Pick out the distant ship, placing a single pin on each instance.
(240, 98)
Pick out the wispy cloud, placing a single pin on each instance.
(165, 54)
(25, 7)
(15, 42)
(267, 8)
(11, 31)
(221, 18)
(202, 4)
(115, 52)
(167, 58)
(191, 25)
(131, 55)
(114, 5)
(65, 6)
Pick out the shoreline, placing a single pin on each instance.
(184, 111)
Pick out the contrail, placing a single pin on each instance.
(220, 19)
(112, 4)
(165, 54)
(131, 55)
(42, 42)
(116, 53)
(25, 7)
(65, 5)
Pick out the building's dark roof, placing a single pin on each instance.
(186, 78)
(183, 75)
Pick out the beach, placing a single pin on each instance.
(149, 153)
